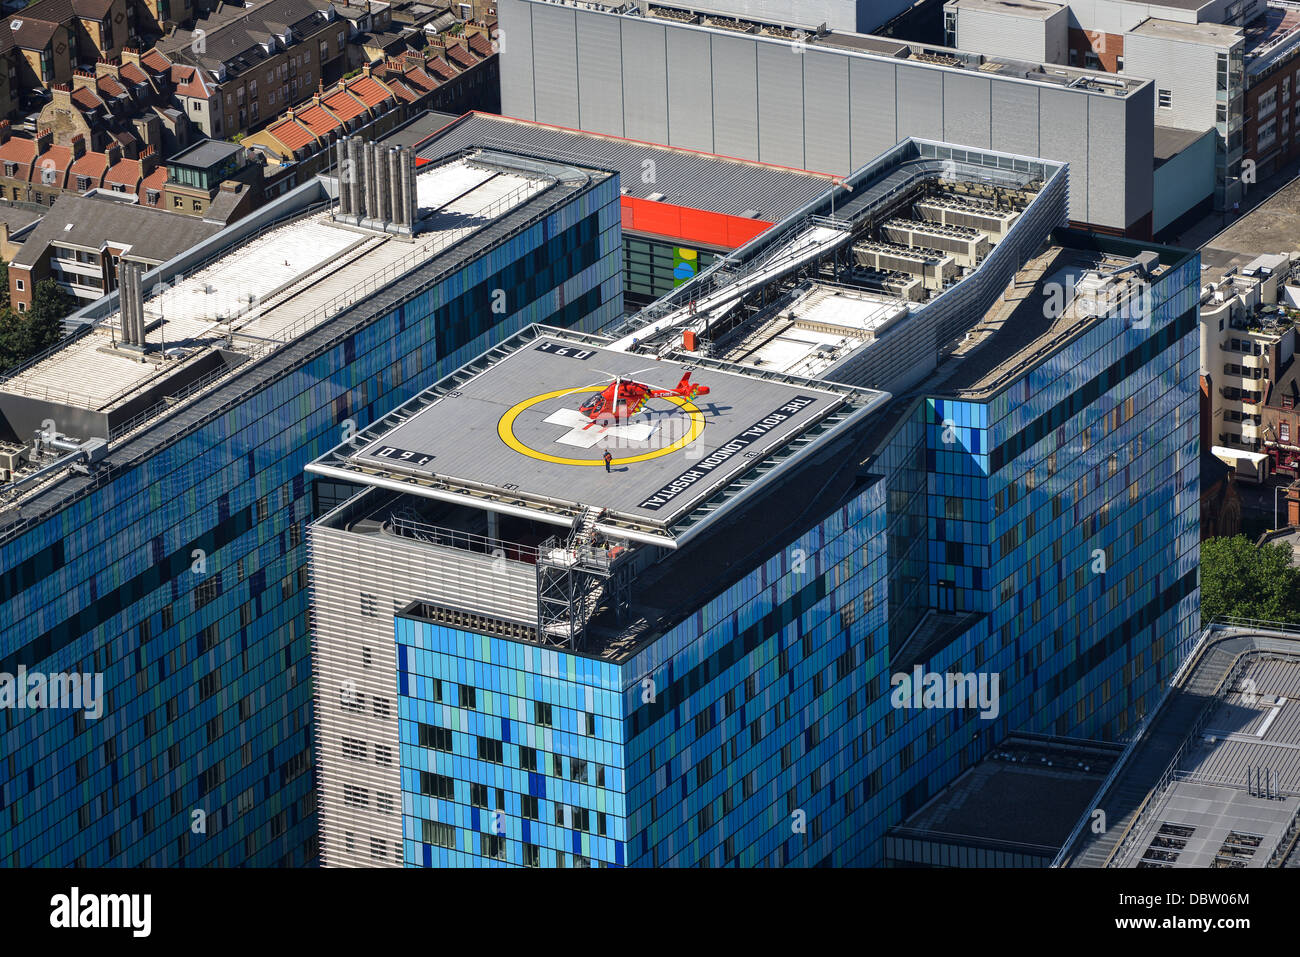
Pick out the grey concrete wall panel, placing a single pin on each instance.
(1139, 143)
(556, 88)
(826, 129)
(600, 59)
(690, 89)
(1015, 118)
(1062, 118)
(780, 104)
(516, 24)
(735, 93)
(919, 102)
(1107, 162)
(645, 81)
(872, 112)
(966, 105)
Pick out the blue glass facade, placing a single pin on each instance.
(1052, 521)
(207, 662)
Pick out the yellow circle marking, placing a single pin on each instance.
(506, 430)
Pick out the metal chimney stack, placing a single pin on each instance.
(395, 216)
(410, 202)
(345, 193)
(356, 191)
(131, 302)
(379, 163)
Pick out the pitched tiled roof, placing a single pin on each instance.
(370, 91)
(481, 45)
(292, 134)
(30, 33)
(154, 181)
(87, 99)
(133, 74)
(156, 60)
(344, 105)
(460, 56)
(91, 165)
(126, 172)
(320, 121)
(110, 86)
(21, 152)
(189, 81)
(405, 92)
(440, 68)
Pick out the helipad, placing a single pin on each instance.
(509, 434)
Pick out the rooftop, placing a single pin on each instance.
(1272, 37)
(684, 177)
(150, 235)
(205, 153)
(1023, 798)
(1019, 331)
(505, 433)
(1207, 34)
(233, 34)
(1213, 778)
(1017, 8)
(819, 324)
(1169, 142)
(252, 299)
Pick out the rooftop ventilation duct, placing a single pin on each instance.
(376, 186)
(130, 292)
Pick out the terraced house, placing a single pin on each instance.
(240, 66)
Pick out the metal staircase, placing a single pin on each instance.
(575, 577)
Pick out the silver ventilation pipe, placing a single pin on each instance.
(130, 301)
(395, 214)
(374, 194)
(410, 202)
(345, 194)
(356, 196)
(379, 213)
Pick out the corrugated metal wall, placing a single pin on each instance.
(358, 583)
(805, 112)
(354, 666)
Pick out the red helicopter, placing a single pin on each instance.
(625, 397)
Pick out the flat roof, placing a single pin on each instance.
(1030, 9)
(1023, 796)
(707, 181)
(1207, 34)
(205, 153)
(272, 288)
(1190, 789)
(1017, 331)
(1170, 142)
(505, 433)
(884, 46)
(818, 325)
(1213, 813)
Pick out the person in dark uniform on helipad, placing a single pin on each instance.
(608, 458)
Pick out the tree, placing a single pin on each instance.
(43, 323)
(4, 284)
(1242, 580)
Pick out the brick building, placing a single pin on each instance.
(241, 66)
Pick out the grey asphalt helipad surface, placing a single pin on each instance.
(493, 431)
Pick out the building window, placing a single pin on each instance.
(21, 285)
(178, 202)
(439, 835)
(1165, 99)
(1267, 103)
(1284, 431)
